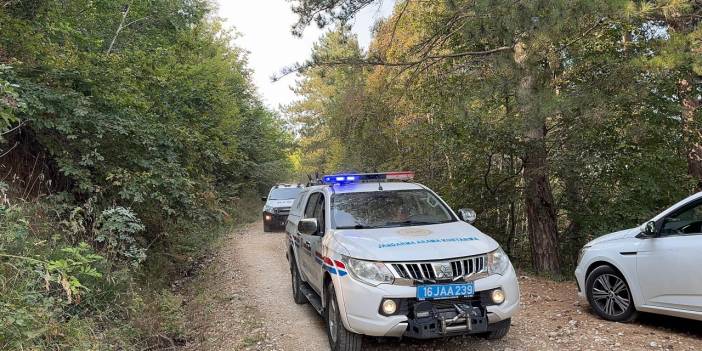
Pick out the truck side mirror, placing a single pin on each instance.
(467, 215)
(263, 198)
(307, 226)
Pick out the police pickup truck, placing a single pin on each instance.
(378, 255)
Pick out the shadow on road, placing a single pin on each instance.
(661, 322)
(671, 324)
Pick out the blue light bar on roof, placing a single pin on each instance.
(360, 177)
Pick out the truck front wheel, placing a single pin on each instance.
(340, 339)
(499, 329)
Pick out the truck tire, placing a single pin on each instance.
(499, 329)
(267, 228)
(297, 282)
(340, 339)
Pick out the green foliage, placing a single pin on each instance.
(10, 101)
(599, 79)
(152, 139)
(42, 278)
(73, 265)
(116, 229)
(171, 307)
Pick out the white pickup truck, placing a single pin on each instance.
(381, 256)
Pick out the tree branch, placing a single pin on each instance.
(397, 21)
(119, 28)
(9, 150)
(379, 62)
(135, 21)
(14, 128)
(581, 36)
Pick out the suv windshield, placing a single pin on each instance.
(283, 193)
(383, 209)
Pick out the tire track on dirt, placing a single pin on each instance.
(262, 256)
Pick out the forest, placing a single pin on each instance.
(131, 135)
(557, 121)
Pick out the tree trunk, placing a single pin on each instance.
(692, 133)
(539, 206)
(538, 196)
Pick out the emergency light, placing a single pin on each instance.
(366, 177)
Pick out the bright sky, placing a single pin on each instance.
(265, 25)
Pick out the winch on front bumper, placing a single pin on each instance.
(427, 320)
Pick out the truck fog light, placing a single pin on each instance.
(498, 296)
(268, 217)
(389, 307)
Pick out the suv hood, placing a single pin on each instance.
(280, 203)
(415, 243)
(626, 233)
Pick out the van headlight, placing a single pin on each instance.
(498, 262)
(369, 272)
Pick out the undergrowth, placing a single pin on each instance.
(74, 278)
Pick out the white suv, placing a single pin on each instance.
(380, 257)
(651, 268)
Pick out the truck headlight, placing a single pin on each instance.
(498, 262)
(268, 209)
(369, 272)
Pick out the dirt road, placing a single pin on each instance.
(242, 301)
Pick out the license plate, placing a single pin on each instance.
(444, 291)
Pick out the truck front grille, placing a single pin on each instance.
(441, 270)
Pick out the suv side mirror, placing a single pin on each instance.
(649, 229)
(263, 198)
(467, 215)
(307, 226)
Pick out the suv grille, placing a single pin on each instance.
(441, 270)
(282, 210)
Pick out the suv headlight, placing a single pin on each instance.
(369, 272)
(498, 262)
(268, 208)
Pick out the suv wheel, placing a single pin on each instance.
(498, 330)
(609, 295)
(267, 228)
(298, 296)
(340, 339)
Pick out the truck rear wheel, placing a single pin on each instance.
(298, 296)
(340, 339)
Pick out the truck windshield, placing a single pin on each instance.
(384, 209)
(283, 193)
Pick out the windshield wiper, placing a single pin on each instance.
(411, 222)
(357, 226)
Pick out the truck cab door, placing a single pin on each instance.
(306, 255)
(315, 242)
